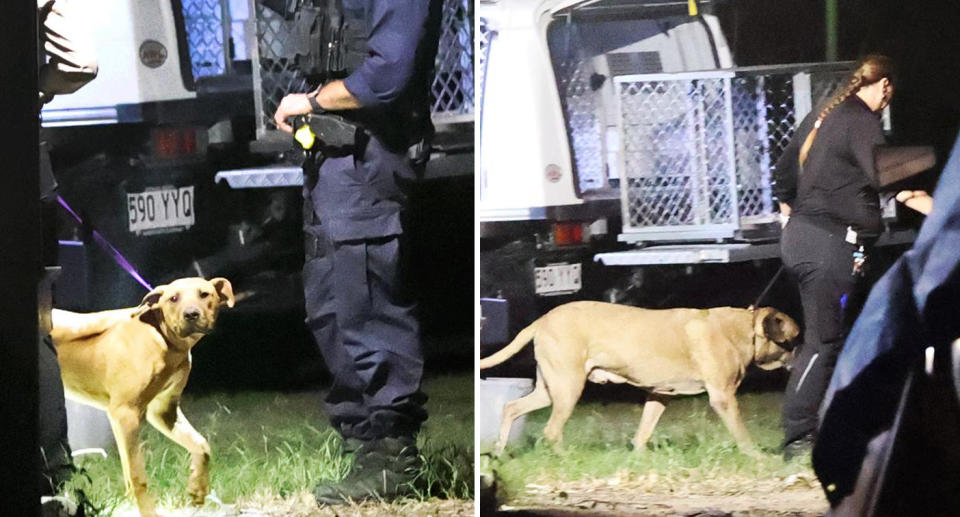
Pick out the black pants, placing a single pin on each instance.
(55, 461)
(821, 261)
(56, 464)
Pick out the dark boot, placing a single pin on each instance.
(383, 470)
(60, 506)
(798, 447)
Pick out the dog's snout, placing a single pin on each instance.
(191, 314)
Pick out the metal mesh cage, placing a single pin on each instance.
(763, 124)
(699, 149)
(204, 21)
(824, 84)
(582, 105)
(277, 73)
(452, 87)
(677, 150)
(484, 35)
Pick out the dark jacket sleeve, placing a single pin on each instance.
(396, 28)
(788, 166)
(865, 133)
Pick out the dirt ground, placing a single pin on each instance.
(794, 496)
(305, 506)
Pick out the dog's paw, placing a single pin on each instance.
(197, 498)
(197, 493)
(643, 448)
(752, 451)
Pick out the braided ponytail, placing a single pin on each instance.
(873, 68)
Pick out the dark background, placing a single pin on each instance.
(922, 36)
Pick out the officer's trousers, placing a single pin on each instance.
(821, 261)
(358, 302)
(368, 334)
(56, 463)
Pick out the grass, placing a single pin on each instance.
(690, 446)
(270, 445)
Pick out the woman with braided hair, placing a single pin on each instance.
(826, 185)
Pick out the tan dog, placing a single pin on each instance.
(667, 352)
(133, 363)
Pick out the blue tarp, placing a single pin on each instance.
(913, 306)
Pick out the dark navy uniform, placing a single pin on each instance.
(359, 308)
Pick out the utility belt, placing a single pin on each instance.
(861, 244)
(329, 135)
(844, 231)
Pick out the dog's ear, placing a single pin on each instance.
(151, 299)
(149, 302)
(224, 291)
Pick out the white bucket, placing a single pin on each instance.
(493, 394)
(88, 427)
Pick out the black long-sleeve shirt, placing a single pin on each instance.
(838, 182)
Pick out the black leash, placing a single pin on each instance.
(766, 290)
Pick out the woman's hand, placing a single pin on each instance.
(918, 200)
(784, 214)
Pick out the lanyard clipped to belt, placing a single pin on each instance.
(859, 255)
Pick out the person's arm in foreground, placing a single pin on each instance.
(72, 62)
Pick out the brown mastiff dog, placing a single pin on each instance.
(133, 363)
(667, 352)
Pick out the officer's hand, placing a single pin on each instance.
(292, 105)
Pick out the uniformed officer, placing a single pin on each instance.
(67, 62)
(375, 90)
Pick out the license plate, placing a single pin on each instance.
(160, 209)
(557, 279)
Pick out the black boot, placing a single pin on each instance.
(798, 447)
(60, 506)
(383, 470)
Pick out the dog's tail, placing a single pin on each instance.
(510, 350)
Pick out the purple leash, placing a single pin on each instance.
(117, 257)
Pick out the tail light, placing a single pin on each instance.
(567, 233)
(173, 142)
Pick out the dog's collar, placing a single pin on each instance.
(756, 336)
(757, 343)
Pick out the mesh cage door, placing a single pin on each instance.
(678, 173)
